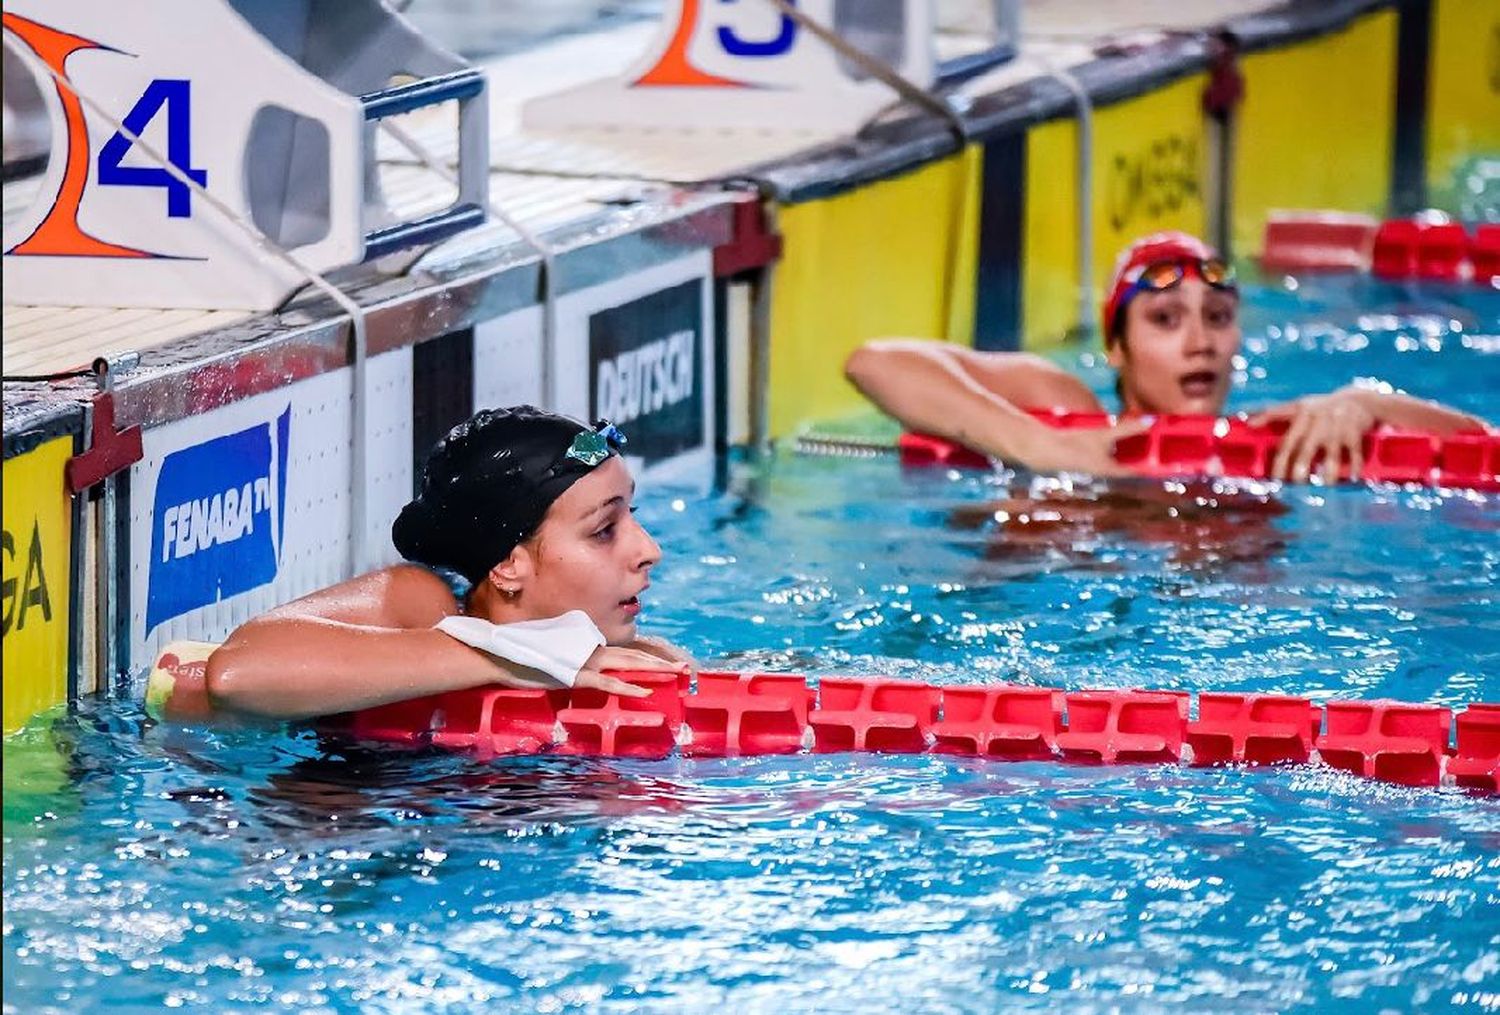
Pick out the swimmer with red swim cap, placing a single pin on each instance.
(533, 510)
(1171, 331)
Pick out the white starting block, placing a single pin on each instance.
(744, 64)
(270, 105)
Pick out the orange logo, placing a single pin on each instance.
(59, 234)
(674, 67)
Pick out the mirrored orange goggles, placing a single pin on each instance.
(1160, 276)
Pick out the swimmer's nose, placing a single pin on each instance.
(650, 551)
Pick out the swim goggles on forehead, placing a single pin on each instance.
(592, 446)
(1159, 276)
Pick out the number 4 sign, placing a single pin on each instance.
(176, 97)
(111, 225)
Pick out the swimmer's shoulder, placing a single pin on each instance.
(416, 596)
(403, 596)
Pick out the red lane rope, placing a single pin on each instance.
(733, 714)
(1182, 446)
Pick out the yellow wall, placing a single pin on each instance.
(893, 258)
(1463, 99)
(1317, 127)
(36, 559)
(1149, 173)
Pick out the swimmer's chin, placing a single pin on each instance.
(619, 635)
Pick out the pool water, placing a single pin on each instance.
(240, 869)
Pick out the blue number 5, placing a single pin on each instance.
(175, 95)
(774, 46)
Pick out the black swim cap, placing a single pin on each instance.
(489, 483)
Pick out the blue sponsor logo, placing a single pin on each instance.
(218, 520)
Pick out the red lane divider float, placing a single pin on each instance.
(730, 714)
(1387, 740)
(873, 715)
(1018, 723)
(1427, 247)
(599, 723)
(1258, 729)
(1111, 727)
(1476, 760)
(1182, 446)
(747, 713)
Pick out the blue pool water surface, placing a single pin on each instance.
(237, 870)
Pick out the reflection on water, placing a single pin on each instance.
(1205, 527)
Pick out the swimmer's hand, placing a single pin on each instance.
(1092, 450)
(610, 657)
(663, 649)
(1331, 425)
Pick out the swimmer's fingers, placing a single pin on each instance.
(1345, 446)
(660, 648)
(609, 685)
(614, 657)
(1284, 410)
(1357, 459)
(1291, 446)
(1318, 438)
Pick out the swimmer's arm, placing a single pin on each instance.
(1398, 409)
(365, 642)
(974, 398)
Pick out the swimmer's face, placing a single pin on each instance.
(1178, 350)
(591, 554)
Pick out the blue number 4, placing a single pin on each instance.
(175, 95)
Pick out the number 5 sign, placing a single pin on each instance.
(718, 64)
(112, 226)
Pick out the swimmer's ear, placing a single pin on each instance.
(511, 574)
(1114, 353)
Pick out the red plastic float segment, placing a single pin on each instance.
(917, 450)
(1392, 457)
(873, 714)
(401, 722)
(1443, 252)
(598, 723)
(1114, 727)
(1470, 460)
(500, 720)
(1256, 729)
(1387, 740)
(1484, 254)
(746, 713)
(1442, 249)
(1018, 723)
(1317, 241)
(1395, 250)
(1476, 759)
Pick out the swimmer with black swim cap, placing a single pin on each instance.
(533, 510)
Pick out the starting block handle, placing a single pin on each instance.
(467, 88)
(420, 231)
(404, 98)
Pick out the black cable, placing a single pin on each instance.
(63, 375)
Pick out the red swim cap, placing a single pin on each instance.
(1165, 246)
